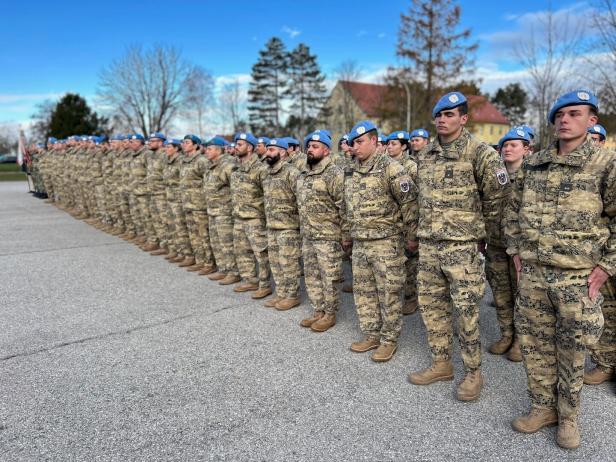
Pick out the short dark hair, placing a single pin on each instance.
(463, 108)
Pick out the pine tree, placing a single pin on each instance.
(306, 90)
(429, 39)
(72, 115)
(511, 101)
(267, 88)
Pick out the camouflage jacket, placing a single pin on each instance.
(320, 200)
(298, 160)
(279, 187)
(217, 186)
(247, 189)
(171, 177)
(409, 164)
(462, 191)
(562, 211)
(107, 167)
(192, 172)
(381, 199)
(138, 172)
(155, 165)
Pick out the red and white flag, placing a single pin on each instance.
(22, 150)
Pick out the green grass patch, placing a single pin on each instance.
(10, 168)
(12, 176)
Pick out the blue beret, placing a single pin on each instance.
(516, 133)
(420, 133)
(263, 140)
(40, 145)
(136, 136)
(361, 128)
(448, 101)
(117, 138)
(173, 141)
(52, 140)
(217, 141)
(399, 135)
(573, 98)
(158, 135)
(84, 138)
(321, 136)
(598, 129)
(248, 137)
(382, 137)
(194, 138)
(278, 142)
(291, 141)
(62, 141)
(527, 129)
(232, 145)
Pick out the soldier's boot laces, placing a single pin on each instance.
(502, 346)
(470, 387)
(515, 354)
(568, 435)
(370, 343)
(307, 322)
(535, 420)
(597, 376)
(438, 371)
(324, 323)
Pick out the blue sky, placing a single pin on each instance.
(49, 48)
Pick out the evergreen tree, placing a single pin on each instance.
(511, 101)
(267, 88)
(72, 115)
(306, 90)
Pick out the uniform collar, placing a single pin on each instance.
(576, 158)
(277, 166)
(369, 164)
(320, 167)
(455, 149)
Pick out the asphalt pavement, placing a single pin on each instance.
(108, 353)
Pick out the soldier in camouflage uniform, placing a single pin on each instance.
(381, 205)
(261, 146)
(46, 165)
(296, 157)
(282, 217)
(217, 187)
(138, 199)
(249, 233)
(419, 139)
(397, 144)
(559, 230)
(156, 158)
(320, 200)
(463, 186)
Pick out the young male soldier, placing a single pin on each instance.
(419, 140)
(598, 134)
(559, 231)
(462, 186)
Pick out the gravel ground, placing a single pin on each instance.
(108, 353)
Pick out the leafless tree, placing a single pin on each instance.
(232, 105)
(548, 53)
(349, 71)
(199, 87)
(146, 89)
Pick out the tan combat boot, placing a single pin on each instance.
(171, 256)
(568, 434)
(150, 247)
(515, 354)
(195, 267)
(262, 293)
(324, 323)
(384, 352)
(178, 259)
(286, 304)
(207, 269)
(160, 252)
(438, 371)
(218, 276)
(230, 279)
(409, 307)
(535, 420)
(347, 288)
(370, 343)
(470, 387)
(597, 376)
(502, 346)
(271, 303)
(129, 236)
(246, 287)
(307, 322)
(141, 240)
(188, 261)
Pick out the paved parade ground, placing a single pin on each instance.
(108, 353)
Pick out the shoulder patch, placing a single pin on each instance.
(502, 177)
(405, 186)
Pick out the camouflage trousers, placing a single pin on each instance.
(48, 185)
(322, 268)
(199, 233)
(603, 353)
(112, 215)
(136, 213)
(89, 194)
(410, 286)
(101, 202)
(250, 247)
(221, 237)
(177, 238)
(451, 276)
(157, 209)
(501, 275)
(379, 275)
(124, 207)
(555, 322)
(284, 251)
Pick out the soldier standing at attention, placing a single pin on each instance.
(598, 134)
(155, 165)
(249, 233)
(261, 146)
(282, 217)
(559, 232)
(139, 208)
(462, 186)
(322, 209)
(419, 140)
(381, 205)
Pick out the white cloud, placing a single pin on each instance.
(291, 31)
(222, 80)
(381, 35)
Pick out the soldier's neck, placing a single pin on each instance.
(448, 139)
(568, 146)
